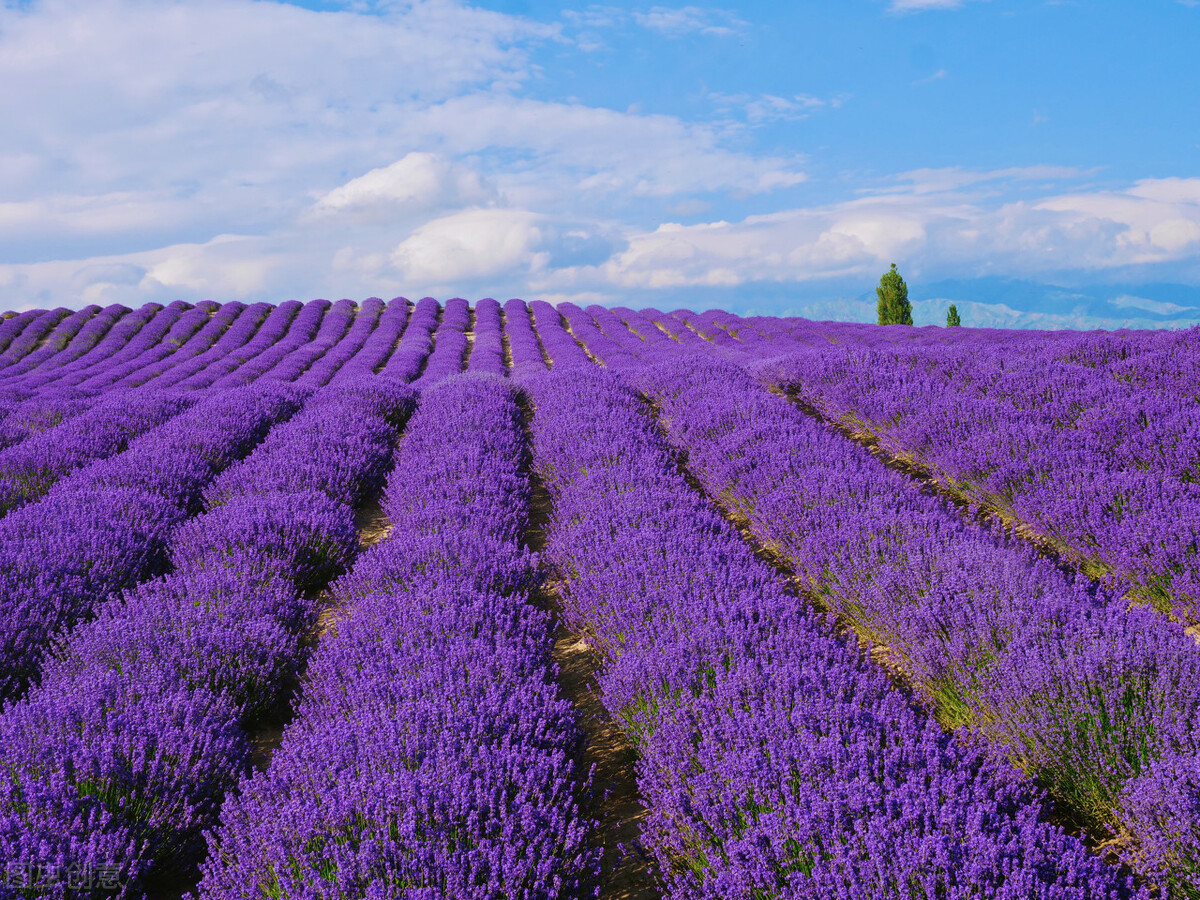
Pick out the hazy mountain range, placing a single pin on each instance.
(986, 303)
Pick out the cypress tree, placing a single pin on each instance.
(952, 319)
(893, 305)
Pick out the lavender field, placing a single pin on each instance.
(422, 600)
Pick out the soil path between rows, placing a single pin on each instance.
(615, 805)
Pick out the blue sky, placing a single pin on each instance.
(1036, 161)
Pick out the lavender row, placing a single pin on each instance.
(378, 348)
(564, 351)
(38, 414)
(430, 752)
(232, 347)
(1105, 468)
(1087, 695)
(60, 339)
(194, 367)
(675, 327)
(775, 760)
(94, 340)
(332, 329)
(340, 447)
(1102, 469)
(184, 667)
(630, 337)
(100, 338)
(409, 357)
(53, 400)
(1043, 663)
(621, 320)
(226, 370)
(34, 331)
(1165, 361)
(165, 336)
(230, 326)
(334, 357)
(523, 344)
(449, 344)
(594, 339)
(487, 347)
(129, 338)
(279, 336)
(105, 527)
(704, 325)
(13, 326)
(1062, 703)
(29, 469)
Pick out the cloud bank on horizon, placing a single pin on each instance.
(756, 158)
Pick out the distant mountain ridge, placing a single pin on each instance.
(990, 302)
(1014, 303)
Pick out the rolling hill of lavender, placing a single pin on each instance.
(509, 600)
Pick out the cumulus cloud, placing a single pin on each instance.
(553, 150)
(224, 115)
(415, 182)
(1154, 221)
(228, 266)
(470, 244)
(141, 124)
(1168, 190)
(798, 245)
(525, 251)
(947, 230)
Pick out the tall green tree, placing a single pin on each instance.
(894, 308)
(952, 319)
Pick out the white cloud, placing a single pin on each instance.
(415, 182)
(228, 266)
(936, 76)
(1154, 221)
(764, 108)
(689, 207)
(225, 114)
(671, 22)
(470, 244)
(220, 267)
(596, 16)
(798, 245)
(551, 150)
(520, 250)
(82, 214)
(689, 20)
(1168, 190)
(928, 181)
(132, 125)
(925, 229)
